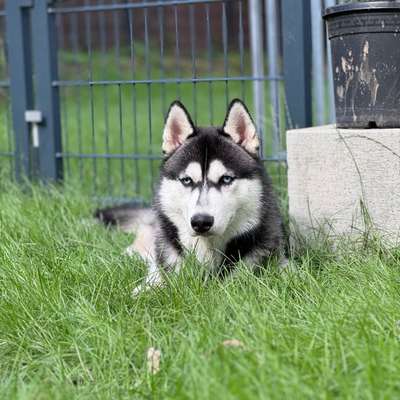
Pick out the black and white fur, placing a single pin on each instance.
(214, 199)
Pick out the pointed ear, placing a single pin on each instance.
(178, 126)
(240, 127)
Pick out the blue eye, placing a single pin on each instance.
(226, 180)
(186, 181)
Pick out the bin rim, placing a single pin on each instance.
(360, 7)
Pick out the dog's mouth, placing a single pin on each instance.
(205, 234)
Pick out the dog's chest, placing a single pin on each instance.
(207, 251)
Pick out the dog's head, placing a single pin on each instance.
(211, 178)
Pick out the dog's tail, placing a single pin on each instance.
(127, 217)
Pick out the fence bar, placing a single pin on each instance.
(20, 70)
(129, 6)
(257, 61)
(146, 157)
(166, 80)
(332, 117)
(47, 96)
(225, 50)
(272, 30)
(297, 60)
(209, 65)
(137, 179)
(318, 60)
(193, 59)
(241, 49)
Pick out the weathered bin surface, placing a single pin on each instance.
(365, 45)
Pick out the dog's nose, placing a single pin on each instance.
(202, 223)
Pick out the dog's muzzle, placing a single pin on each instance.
(202, 223)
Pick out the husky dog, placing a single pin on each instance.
(214, 199)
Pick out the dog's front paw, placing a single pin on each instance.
(283, 263)
(130, 251)
(152, 281)
(145, 287)
(137, 290)
(287, 266)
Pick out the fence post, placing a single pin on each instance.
(296, 23)
(44, 41)
(332, 116)
(20, 70)
(257, 62)
(272, 35)
(318, 59)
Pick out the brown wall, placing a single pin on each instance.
(106, 28)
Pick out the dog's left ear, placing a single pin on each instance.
(240, 127)
(178, 126)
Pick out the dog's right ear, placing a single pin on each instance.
(240, 127)
(178, 127)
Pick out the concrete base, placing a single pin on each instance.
(345, 180)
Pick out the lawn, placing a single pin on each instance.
(69, 328)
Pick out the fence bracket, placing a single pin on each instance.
(34, 117)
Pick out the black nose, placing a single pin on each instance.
(202, 223)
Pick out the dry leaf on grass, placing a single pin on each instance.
(232, 343)
(153, 360)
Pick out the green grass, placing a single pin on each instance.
(69, 327)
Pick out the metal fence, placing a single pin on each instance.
(100, 75)
(6, 136)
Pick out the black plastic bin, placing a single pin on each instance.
(365, 45)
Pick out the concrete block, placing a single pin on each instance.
(334, 173)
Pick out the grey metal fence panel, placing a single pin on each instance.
(331, 96)
(6, 136)
(297, 60)
(46, 95)
(257, 58)
(120, 64)
(323, 96)
(20, 83)
(318, 61)
(105, 72)
(272, 34)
